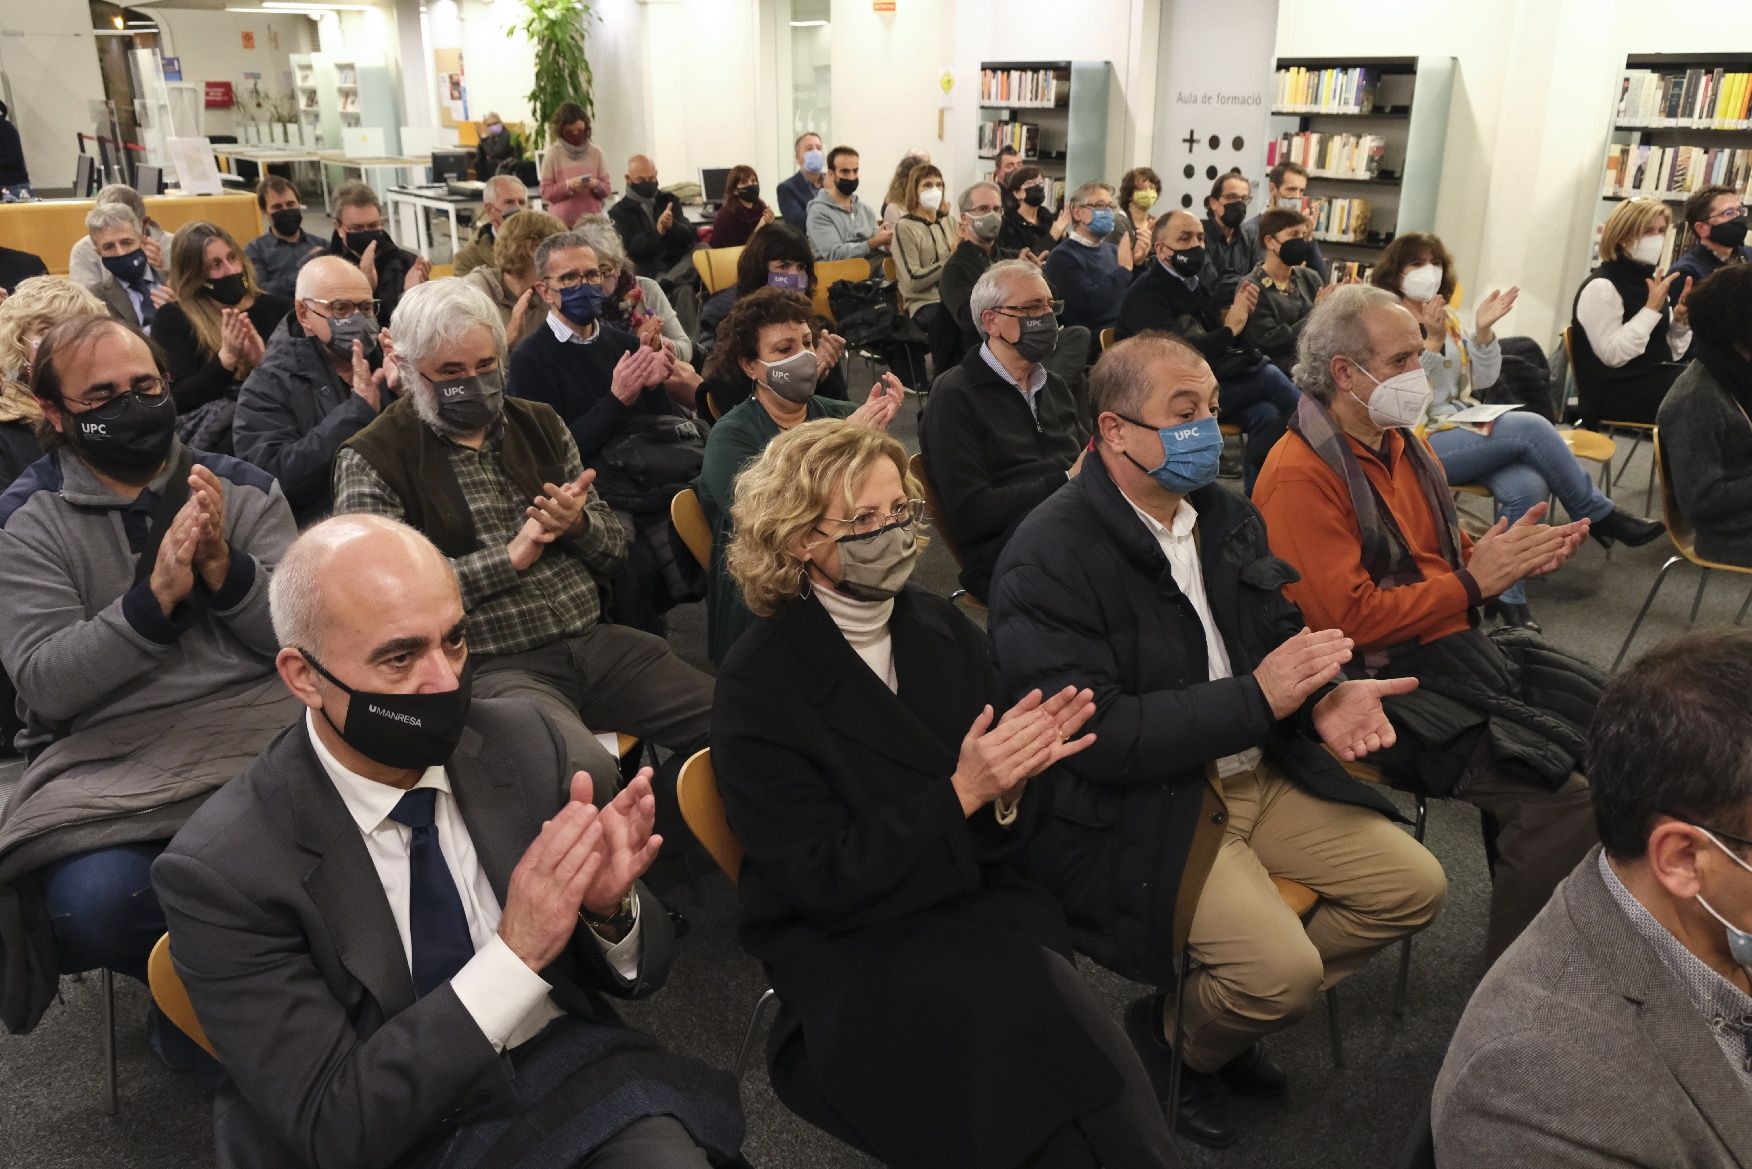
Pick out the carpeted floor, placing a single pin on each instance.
(1353, 1115)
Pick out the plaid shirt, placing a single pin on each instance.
(508, 611)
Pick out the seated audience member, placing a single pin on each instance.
(509, 281)
(532, 542)
(743, 212)
(1000, 432)
(35, 307)
(212, 331)
(1229, 252)
(1717, 220)
(1288, 287)
(883, 807)
(85, 266)
(17, 266)
(360, 239)
(1520, 457)
(1360, 508)
(924, 238)
(895, 204)
(1615, 1032)
(131, 288)
(982, 217)
(322, 380)
(280, 251)
(495, 153)
(1626, 339)
(448, 980)
(651, 222)
(1286, 186)
(1030, 228)
(842, 226)
(776, 257)
(1172, 295)
(1210, 772)
(769, 342)
(1091, 275)
(1705, 434)
(632, 303)
(1138, 192)
(134, 579)
(502, 198)
(1007, 163)
(796, 192)
(574, 175)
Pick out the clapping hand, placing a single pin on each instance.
(1301, 665)
(1508, 553)
(1350, 720)
(829, 348)
(1493, 308)
(212, 557)
(1032, 736)
(560, 509)
(629, 844)
(882, 405)
(1682, 309)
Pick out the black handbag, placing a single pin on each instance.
(654, 456)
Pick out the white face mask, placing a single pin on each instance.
(1290, 202)
(930, 198)
(1421, 282)
(1647, 250)
(1398, 401)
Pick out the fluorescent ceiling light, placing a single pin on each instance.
(809, 24)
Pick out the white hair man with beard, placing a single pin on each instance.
(496, 482)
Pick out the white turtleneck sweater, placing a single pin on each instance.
(865, 626)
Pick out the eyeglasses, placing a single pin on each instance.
(1717, 832)
(361, 228)
(1231, 197)
(1033, 308)
(340, 310)
(1726, 215)
(567, 280)
(105, 402)
(870, 521)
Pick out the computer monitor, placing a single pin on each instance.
(85, 177)
(449, 164)
(149, 179)
(712, 180)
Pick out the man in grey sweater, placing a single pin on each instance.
(134, 579)
(841, 225)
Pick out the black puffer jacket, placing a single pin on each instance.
(1083, 595)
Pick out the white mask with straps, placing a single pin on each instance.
(1398, 401)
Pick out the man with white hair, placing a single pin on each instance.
(130, 287)
(1001, 431)
(1091, 275)
(323, 380)
(497, 484)
(502, 196)
(83, 265)
(982, 215)
(427, 904)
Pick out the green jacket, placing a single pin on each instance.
(477, 253)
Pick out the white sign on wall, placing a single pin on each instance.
(1218, 63)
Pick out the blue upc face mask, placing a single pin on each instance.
(582, 304)
(1192, 452)
(1101, 222)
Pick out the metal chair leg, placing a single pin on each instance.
(107, 991)
(1335, 1027)
(1660, 578)
(1744, 605)
(761, 1005)
(1635, 442)
(1179, 1036)
(1420, 824)
(1697, 601)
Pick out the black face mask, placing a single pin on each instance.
(358, 241)
(1730, 234)
(127, 434)
(1034, 196)
(749, 194)
(846, 187)
(288, 221)
(468, 405)
(409, 731)
(228, 290)
(1233, 214)
(1188, 263)
(1295, 252)
(1036, 337)
(645, 190)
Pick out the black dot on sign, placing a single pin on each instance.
(1190, 170)
(1238, 143)
(1210, 172)
(1186, 200)
(1216, 141)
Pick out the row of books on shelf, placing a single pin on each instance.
(1338, 220)
(1697, 99)
(1333, 156)
(1673, 171)
(1325, 91)
(1349, 271)
(1023, 137)
(1021, 86)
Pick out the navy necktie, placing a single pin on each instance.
(148, 310)
(437, 925)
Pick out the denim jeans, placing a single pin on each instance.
(1259, 402)
(104, 910)
(1522, 460)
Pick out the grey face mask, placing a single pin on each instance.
(467, 405)
(877, 566)
(1739, 940)
(793, 379)
(986, 226)
(358, 327)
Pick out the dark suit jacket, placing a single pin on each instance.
(1160, 300)
(1580, 1050)
(16, 266)
(892, 924)
(282, 934)
(794, 196)
(654, 253)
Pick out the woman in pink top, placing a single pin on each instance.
(574, 177)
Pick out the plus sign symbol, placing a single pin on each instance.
(1191, 141)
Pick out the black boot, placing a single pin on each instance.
(1621, 525)
(1252, 1073)
(1203, 1115)
(1510, 613)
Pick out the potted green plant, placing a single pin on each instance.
(557, 31)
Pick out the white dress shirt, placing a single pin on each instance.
(1179, 544)
(506, 999)
(1614, 340)
(563, 332)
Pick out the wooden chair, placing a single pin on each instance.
(717, 267)
(940, 523)
(1108, 336)
(830, 272)
(172, 997)
(1637, 430)
(1684, 538)
(890, 271)
(690, 523)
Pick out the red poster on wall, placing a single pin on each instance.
(219, 95)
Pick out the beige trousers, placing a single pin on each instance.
(1258, 968)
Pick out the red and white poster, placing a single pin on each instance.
(219, 95)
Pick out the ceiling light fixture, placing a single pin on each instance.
(809, 24)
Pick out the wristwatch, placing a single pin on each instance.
(620, 921)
